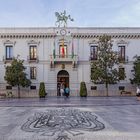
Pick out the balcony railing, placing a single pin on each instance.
(7, 60)
(93, 58)
(123, 59)
(32, 60)
(120, 59)
(64, 59)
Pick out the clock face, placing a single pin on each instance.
(63, 32)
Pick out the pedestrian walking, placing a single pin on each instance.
(138, 91)
(67, 91)
(62, 90)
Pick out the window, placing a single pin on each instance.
(121, 53)
(9, 87)
(121, 88)
(9, 52)
(121, 73)
(93, 52)
(33, 87)
(63, 50)
(33, 73)
(33, 52)
(93, 87)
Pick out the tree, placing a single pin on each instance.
(15, 75)
(104, 69)
(136, 71)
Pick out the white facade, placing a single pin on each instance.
(77, 41)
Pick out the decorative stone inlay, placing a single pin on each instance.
(63, 123)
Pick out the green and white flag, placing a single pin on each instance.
(54, 51)
(72, 50)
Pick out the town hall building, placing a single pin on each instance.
(58, 56)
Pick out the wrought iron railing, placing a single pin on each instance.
(63, 58)
(7, 59)
(32, 59)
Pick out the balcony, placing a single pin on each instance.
(58, 59)
(7, 60)
(123, 59)
(93, 58)
(32, 60)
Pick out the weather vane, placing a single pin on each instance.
(62, 19)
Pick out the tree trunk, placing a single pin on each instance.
(106, 85)
(18, 91)
(106, 81)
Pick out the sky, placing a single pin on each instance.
(86, 13)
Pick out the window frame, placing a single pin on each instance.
(94, 52)
(33, 73)
(9, 52)
(33, 55)
(121, 53)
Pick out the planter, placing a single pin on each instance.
(83, 89)
(84, 96)
(42, 92)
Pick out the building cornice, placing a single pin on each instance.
(26, 35)
(73, 35)
(113, 35)
(75, 32)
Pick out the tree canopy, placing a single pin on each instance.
(104, 70)
(15, 75)
(136, 71)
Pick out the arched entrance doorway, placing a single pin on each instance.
(62, 80)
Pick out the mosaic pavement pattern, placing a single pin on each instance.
(99, 119)
(62, 123)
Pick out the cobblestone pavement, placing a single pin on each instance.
(92, 118)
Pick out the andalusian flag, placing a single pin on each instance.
(72, 50)
(54, 50)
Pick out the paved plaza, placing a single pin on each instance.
(74, 118)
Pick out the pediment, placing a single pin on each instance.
(33, 42)
(9, 42)
(93, 42)
(122, 42)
